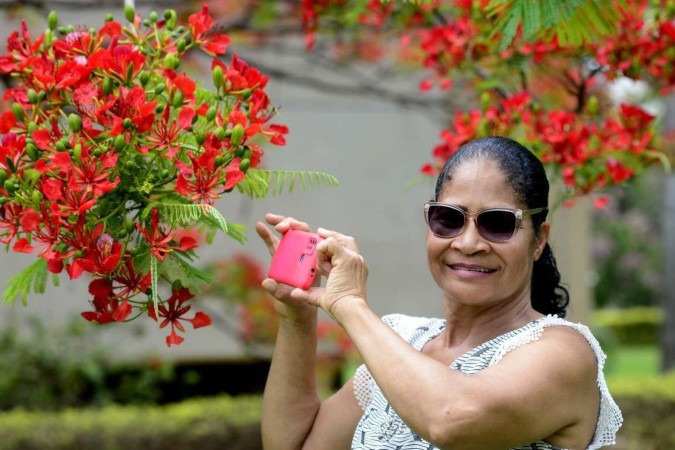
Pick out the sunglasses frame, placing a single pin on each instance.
(518, 213)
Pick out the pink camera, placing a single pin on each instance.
(294, 262)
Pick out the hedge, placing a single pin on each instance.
(630, 326)
(648, 407)
(232, 423)
(206, 424)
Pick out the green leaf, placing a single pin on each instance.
(261, 183)
(19, 285)
(177, 214)
(176, 267)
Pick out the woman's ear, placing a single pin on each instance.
(540, 239)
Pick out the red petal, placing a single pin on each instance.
(23, 246)
(201, 320)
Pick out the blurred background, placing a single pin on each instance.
(66, 382)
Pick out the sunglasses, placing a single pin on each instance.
(493, 224)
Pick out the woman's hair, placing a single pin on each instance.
(526, 174)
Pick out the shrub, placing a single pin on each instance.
(648, 406)
(207, 424)
(631, 326)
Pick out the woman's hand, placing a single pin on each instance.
(347, 272)
(287, 305)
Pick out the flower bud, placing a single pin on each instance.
(153, 16)
(3, 176)
(239, 152)
(127, 123)
(180, 45)
(32, 152)
(146, 22)
(32, 128)
(237, 134)
(211, 113)
(159, 88)
(62, 30)
(221, 133)
(177, 99)
(217, 76)
(129, 12)
(62, 145)
(176, 285)
(220, 160)
(17, 109)
(200, 136)
(171, 18)
(109, 17)
(145, 77)
(37, 196)
(48, 38)
(244, 165)
(32, 96)
(593, 105)
(75, 122)
(52, 20)
(10, 186)
(119, 143)
(77, 152)
(107, 85)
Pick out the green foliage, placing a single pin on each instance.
(627, 249)
(648, 407)
(574, 22)
(261, 183)
(19, 285)
(207, 424)
(51, 367)
(631, 326)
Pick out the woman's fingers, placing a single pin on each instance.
(281, 224)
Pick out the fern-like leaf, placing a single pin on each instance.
(572, 21)
(182, 214)
(19, 285)
(261, 183)
(177, 267)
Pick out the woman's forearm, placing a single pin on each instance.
(291, 402)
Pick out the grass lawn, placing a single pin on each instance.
(633, 362)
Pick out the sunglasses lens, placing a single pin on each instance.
(445, 221)
(496, 226)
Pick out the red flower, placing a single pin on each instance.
(212, 41)
(107, 308)
(101, 258)
(173, 313)
(160, 242)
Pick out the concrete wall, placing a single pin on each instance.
(374, 148)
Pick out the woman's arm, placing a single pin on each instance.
(535, 392)
(293, 416)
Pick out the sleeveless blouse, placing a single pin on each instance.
(380, 426)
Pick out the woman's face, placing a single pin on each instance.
(468, 268)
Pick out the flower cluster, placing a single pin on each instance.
(550, 96)
(111, 157)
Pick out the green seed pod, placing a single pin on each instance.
(109, 17)
(75, 122)
(211, 113)
(177, 99)
(153, 16)
(217, 76)
(200, 136)
(119, 143)
(244, 165)
(237, 134)
(32, 96)
(129, 12)
(127, 123)
(17, 109)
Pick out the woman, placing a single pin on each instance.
(502, 370)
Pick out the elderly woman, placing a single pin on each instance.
(502, 369)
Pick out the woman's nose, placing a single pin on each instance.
(469, 241)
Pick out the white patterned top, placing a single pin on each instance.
(382, 429)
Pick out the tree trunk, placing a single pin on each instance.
(668, 330)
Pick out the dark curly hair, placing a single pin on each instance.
(527, 177)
